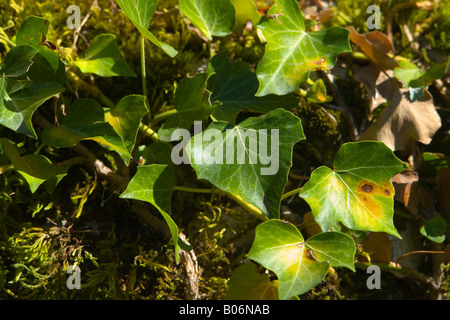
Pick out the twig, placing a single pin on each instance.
(77, 31)
(189, 261)
(404, 271)
(425, 5)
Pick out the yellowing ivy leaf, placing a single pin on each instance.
(357, 191)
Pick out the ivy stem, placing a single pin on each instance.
(149, 132)
(144, 76)
(9, 42)
(418, 251)
(250, 208)
(196, 190)
(162, 116)
(5, 168)
(290, 193)
(92, 90)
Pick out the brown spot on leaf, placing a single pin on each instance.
(319, 61)
(367, 188)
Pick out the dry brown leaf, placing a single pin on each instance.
(313, 13)
(442, 181)
(378, 246)
(377, 83)
(375, 46)
(409, 192)
(403, 121)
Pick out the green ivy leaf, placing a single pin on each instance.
(125, 118)
(192, 104)
(235, 86)
(36, 169)
(18, 60)
(154, 184)
(212, 18)
(17, 107)
(85, 119)
(158, 152)
(103, 58)
(299, 265)
(357, 191)
(247, 284)
(47, 66)
(223, 155)
(338, 249)
(292, 52)
(32, 30)
(140, 12)
(434, 229)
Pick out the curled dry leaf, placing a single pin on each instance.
(402, 121)
(375, 46)
(409, 192)
(377, 83)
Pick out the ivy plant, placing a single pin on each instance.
(232, 124)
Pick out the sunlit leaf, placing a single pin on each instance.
(357, 191)
(318, 92)
(212, 18)
(250, 159)
(126, 117)
(32, 30)
(292, 51)
(103, 58)
(247, 284)
(140, 12)
(375, 46)
(299, 265)
(245, 11)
